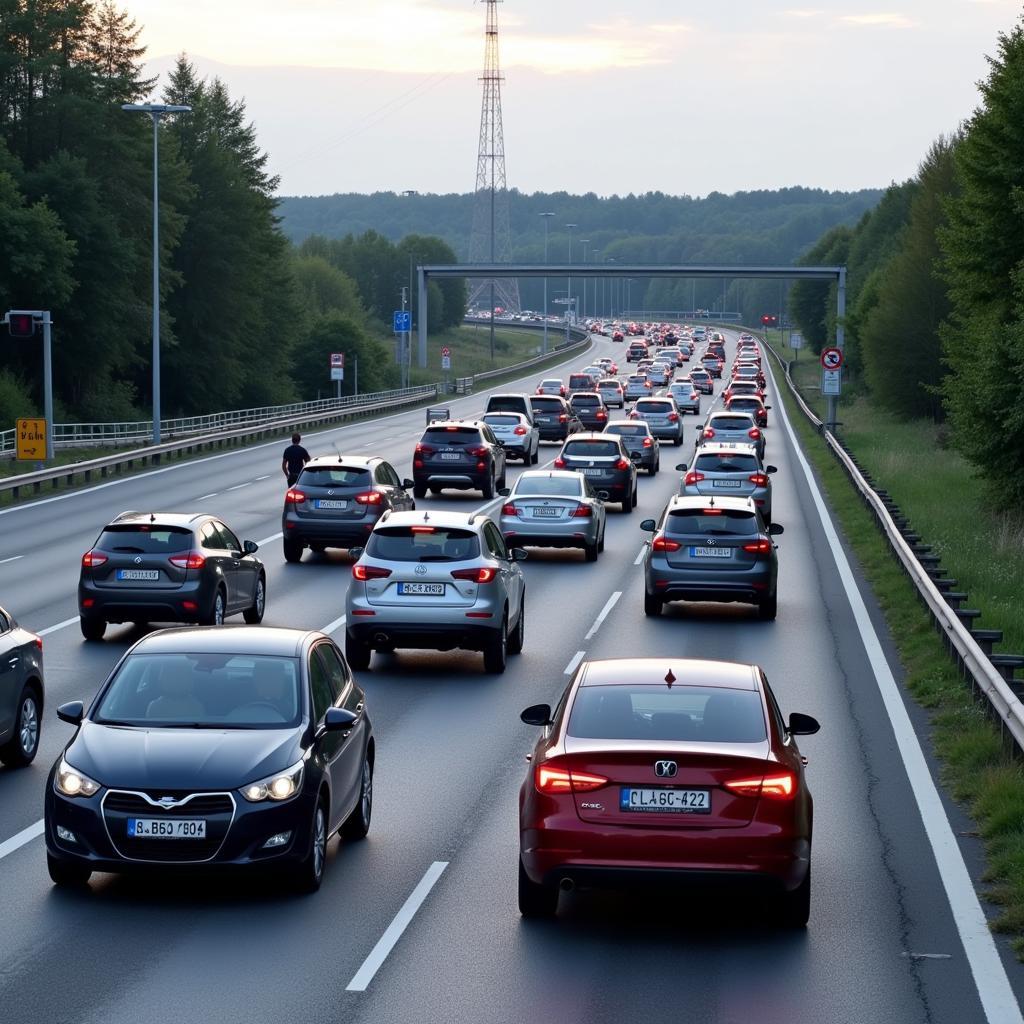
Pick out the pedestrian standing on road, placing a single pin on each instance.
(295, 457)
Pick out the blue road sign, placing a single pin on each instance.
(402, 321)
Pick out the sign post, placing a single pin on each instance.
(32, 438)
(402, 326)
(796, 342)
(446, 364)
(831, 381)
(337, 363)
(22, 323)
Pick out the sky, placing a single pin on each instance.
(605, 96)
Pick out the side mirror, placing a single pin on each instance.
(537, 714)
(73, 712)
(800, 725)
(356, 553)
(339, 719)
(681, 468)
(774, 529)
(603, 495)
(250, 547)
(648, 526)
(519, 554)
(504, 491)
(767, 407)
(406, 484)
(771, 469)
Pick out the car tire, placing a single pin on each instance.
(218, 610)
(795, 909)
(66, 874)
(496, 651)
(21, 748)
(515, 641)
(488, 489)
(678, 441)
(653, 471)
(419, 490)
(652, 605)
(600, 543)
(627, 504)
(92, 626)
(292, 550)
(357, 824)
(310, 871)
(536, 900)
(767, 610)
(254, 614)
(590, 551)
(536, 455)
(357, 654)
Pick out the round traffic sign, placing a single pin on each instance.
(831, 358)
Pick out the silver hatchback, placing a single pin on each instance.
(738, 427)
(729, 469)
(686, 394)
(436, 581)
(662, 414)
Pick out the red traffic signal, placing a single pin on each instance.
(768, 319)
(21, 325)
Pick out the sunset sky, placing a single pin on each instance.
(672, 95)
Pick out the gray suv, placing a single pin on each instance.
(436, 581)
(606, 462)
(662, 414)
(729, 469)
(21, 692)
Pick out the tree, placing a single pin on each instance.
(337, 332)
(812, 303)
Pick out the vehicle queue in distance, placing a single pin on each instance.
(669, 764)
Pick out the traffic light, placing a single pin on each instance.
(768, 320)
(21, 325)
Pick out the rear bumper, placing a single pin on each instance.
(330, 532)
(145, 605)
(523, 533)
(750, 585)
(459, 481)
(385, 636)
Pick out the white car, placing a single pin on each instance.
(518, 436)
(551, 386)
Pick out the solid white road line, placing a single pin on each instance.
(332, 626)
(389, 939)
(609, 605)
(56, 626)
(574, 664)
(16, 842)
(994, 991)
(13, 558)
(272, 537)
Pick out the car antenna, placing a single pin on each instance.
(152, 518)
(426, 517)
(669, 679)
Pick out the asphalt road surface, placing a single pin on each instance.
(419, 923)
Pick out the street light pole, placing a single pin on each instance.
(155, 110)
(568, 290)
(547, 217)
(583, 309)
(611, 290)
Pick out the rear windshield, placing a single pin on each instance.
(499, 420)
(702, 374)
(655, 407)
(703, 714)
(610, 384)
(741, 402)
(591, 449)
(726, 462)
(746, 371)
(711, 522)
(506, 403)
(335, 476)
(577, 379)
(145, 540)
(731, 423)
(636, 378)
(422, 544)
(710, 359)
(451, 435)
(585, 400)
(551, 382)
(556, 486)
(628, 429)
(549, 404)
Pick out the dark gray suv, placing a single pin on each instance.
(21, 692)
(605, 461)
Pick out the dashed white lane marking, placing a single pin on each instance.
(639, 558)
(13, 558)
(57, 626)
(598, 622)
(389, 939)
(266, 476)
(238, 487)
(267, 540)
(574, 664)
(16, 842)
(212, 494)
(332, 626)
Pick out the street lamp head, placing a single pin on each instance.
(156, 108)
(547, 215)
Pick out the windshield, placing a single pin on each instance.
(145, 540)
(553, 486)
(711, 522)
(731, 422)
(335, 476)
(628, 429)
(703, 714)
(451, 435)
(423, 544)
(547, 404)
(223, 691)
(502, 420)
(726, 462)
(591, 449)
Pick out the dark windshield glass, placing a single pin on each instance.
(452, 435)
(230, 691)
(506, 403)
(591, 449)
(556, 486)
(145, 539)
(731, 423)
(726, 463)
(744, 403)
(659, 408)
(335, 476)
(710, 522)
(508, 420)
(698, 713)
(578, 400)
(628, 429)
(422, 544)
(546, 404)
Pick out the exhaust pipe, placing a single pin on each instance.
(380, 639)
(567, 885)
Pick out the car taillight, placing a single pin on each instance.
(708, 432)
(189, 560)
(369, 498)
(673, 417)
(623, 464)
(693, 396)
(483, 574)
(759, 547)
(369, 572)
(758, 479)
(662, 543)
(693, 477)
(509, 510)
(775, 787)
(582, 512)
(294, 497)
(478, 452)
(562, 418)
(601, 414)
(92, 559)
(520, 430)
(38, 642)
(648, 442)
(634, 415)
(540, 391)
(551, 779)
(559, 463)
(754, 433)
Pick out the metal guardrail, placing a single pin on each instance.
(974, 660)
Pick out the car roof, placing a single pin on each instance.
(438, 425)
(335, 461)
(641, 424)
(536, 474)
(732, 675)
(179, 519)
(433, 517)
(591, 435)
(727, 448)
(270, 640)
(699, 501)
(729, 412)
(505, 412)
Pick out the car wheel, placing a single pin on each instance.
(600, 543)
(357, 654)
(627, 504)
(357, 824)
(515, 641)
(678, 441)
(652, 605)
(292, 550)
(254, 614)
(66, 874)
(536, 900)
(767, 610)
(653, 471)
(591, 551)
(496, 651)
(419, 490)
(311, 869)
(22, 746)
(93, 628)
(796, 905)
(215, 616)
(536, 455)
(488, 489)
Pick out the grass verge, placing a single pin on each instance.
(471, 350)
(977, 768)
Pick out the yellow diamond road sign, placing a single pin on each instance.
(31, 439)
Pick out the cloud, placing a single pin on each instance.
(885, 20)
(795, 12)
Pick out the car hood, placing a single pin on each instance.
(128, 757)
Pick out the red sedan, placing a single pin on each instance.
(666, 771)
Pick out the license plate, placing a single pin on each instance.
(711, 552)
(547, 512)
(661, 801)
(593, 472)
(726, 483)
(422, 589)
(329, 503)
(452, 456)
(166, 828)
(138, 574)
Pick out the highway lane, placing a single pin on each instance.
(451, 760)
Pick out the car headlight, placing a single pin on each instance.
(71, 782)
(277, 787)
